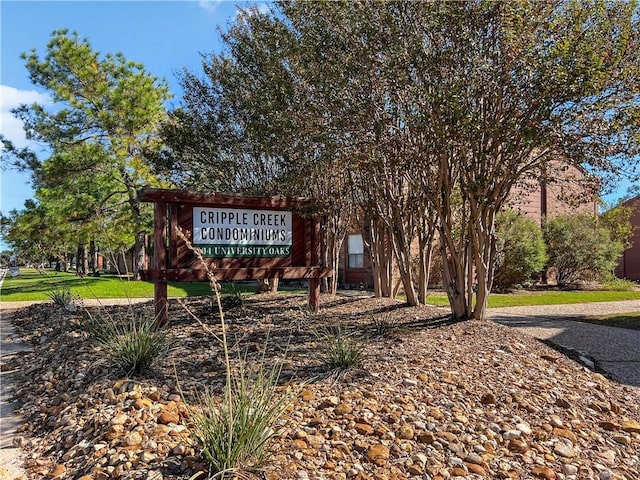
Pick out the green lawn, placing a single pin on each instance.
(31, 285)
(552, 297)
(621, 320)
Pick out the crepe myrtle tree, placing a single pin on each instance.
(474, 97)
(508, 91)
(106, 102)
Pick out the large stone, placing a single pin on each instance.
(59, 471)
(517, 446)
(363, 429)
(564, 450)
(167, 417)
(564, 433)
(477, 469)
(343, 409)
(406, 432)
(426, 437)
(488, 398)
(378, 454)
(544, 472)
(630, 426)
(133, 438)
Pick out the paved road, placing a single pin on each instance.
(615, 350)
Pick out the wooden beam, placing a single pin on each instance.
(200, 274)
(160, 262)
(316, 251)
(220, 199)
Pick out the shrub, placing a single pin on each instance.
(61, 296)
(615, 284)
(520, 250)
(384, 324)
(131, 343)
(340, 350)
(233, 433)
(233, 299)
(579, 249)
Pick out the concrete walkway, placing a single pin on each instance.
(615, 350)
(10, 456)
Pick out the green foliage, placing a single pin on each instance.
(132, 343)
(618, 221)
(232, 433)
(520, 250)
(615, 284)
(384, 324)
(31, 285)
(105, 111)
(340, 350)
(620, 320)
(549, 297)
(61, 296)
(579, 249)
(371, 92)
(233, 299)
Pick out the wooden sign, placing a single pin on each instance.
(239, 238)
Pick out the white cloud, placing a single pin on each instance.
(209, 5)
(11, 98)
(212, 5)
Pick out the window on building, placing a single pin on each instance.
(355, 252)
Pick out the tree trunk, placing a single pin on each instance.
(139, 255)
(93, 258)
(376, 239)
(484, 252)
(454, 274)
(268, 285)
(82, 261)
(424, 267)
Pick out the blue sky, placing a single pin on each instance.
(165, 36)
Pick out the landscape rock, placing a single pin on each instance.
(468, 400)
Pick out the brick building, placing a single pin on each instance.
(566, 194)
(629, 264)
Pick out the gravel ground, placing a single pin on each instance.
(615, 350)
(471, 400)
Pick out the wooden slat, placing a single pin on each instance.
(220, 199)
(200, 274)
(173, 235)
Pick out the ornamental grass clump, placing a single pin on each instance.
(233, 431)
(61, 296)
(384, 325)
(233, 299)
(340, 350)
(131, 342)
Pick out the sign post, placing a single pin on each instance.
(240, 238)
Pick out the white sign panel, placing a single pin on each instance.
(234, 232)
